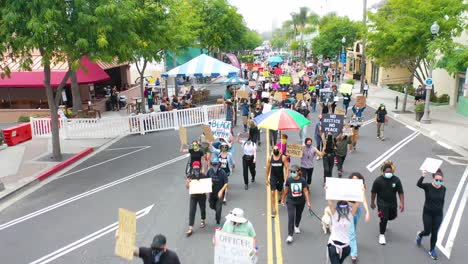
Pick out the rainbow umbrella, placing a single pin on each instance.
(281, 119)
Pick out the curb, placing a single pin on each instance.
(44, 175)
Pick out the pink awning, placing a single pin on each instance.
(91, 73)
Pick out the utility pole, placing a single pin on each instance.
(363, 59)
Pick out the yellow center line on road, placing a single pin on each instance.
(269, 228)
(279, 248)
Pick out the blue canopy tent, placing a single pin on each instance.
(203, 66)
(235, 80)
(275, 60)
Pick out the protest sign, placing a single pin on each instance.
(356, 121)
(339, 189)
(346, 88)
(201, 186)
(301, 73)
(307, 96)
(242, 137)
(326, 96)
(125, 243)
(242, 94)
(360, 101)
(278, 97)
(265, 95)
(267, 86)
(252, 84)
(300, 96)
(294, 150)
(311, 88)
(295, 80)
(285, 80)
(278, 71)
(431, 165)
(348, 131)
(266, 74)
(332, 123)
(339, 111)
(183, 135)
(208, 133)
(266, 108)
(221, 128)
(305, 78)
(233, 249)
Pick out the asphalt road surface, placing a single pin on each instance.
(70, 220)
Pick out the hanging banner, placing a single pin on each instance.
(221, 129)
(233, 249)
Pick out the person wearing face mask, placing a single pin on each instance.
(277, 171)
(237, 224)
(248, 160)
(385, 189)
(195, 199)
(329, 150)
(196, 154)
(307, 160)
(433, 209)
(158, 253)
(381, 120)
(298, 195)
(341, 224)
(226, 161)
(342, 142)
(220, 184)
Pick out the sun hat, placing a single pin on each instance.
(237, 216)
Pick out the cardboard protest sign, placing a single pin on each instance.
(221, 128)
(233, 249)
(183, 135)
(307, 96)
(295, 79)
(242, 94)
(356, 121)
(346, 88)
(339, 111)
(332, 123)
(125, 243)
(285, 80)
(278, 97)
(340, 189)
(294, 150)
(266, 108)
(326, 96)
(360, 101)
(348, 131)
(300, 96)
(431, 165)
(266, 74)
(208, 133)
(252, 84)
(200, 186)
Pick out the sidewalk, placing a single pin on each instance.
(448, 127)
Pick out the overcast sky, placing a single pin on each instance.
(262, 15)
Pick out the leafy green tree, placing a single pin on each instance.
(332, 29)
(455, 61)
(250, 40)
(399, 33)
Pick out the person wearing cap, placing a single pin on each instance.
(237, 224)
(158, 253)
(226, 161)
(220, 184)
(385, 189)
(198, 198)
(381, 120)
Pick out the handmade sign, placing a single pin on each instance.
(332, 123)
(208, 133)
(265, 95)
(285, 80)
(242, 94)
(267, 86)
(200, 186)
(221, 128)
(300, 96)
(125, 243)
(311, 88)
(340, 189)
(356, 121)
(183, 135)
(233, 249)
(294, 150)
(266, 108)
(326, 96)
(278, 97)
(431, 165)
(252, 84)
(278, 71)
(307, 96)
(346, 88)
(348, 131)
(360, 101)
(339, 111)
(266, 74)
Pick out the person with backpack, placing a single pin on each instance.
(220, 184)
(248, 160)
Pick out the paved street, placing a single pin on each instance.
(43, 227)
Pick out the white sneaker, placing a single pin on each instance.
(289, 239)
(382, 240)
(297, 230)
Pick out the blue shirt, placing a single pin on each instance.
(245, 109)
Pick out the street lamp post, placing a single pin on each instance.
(426, 118)
(343, 41)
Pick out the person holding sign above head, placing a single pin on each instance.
(433, 208)
(385, 189)
(297, 196)
(307, 160)
(196, 198)
(158, 253)
(277, 171)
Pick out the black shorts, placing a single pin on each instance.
(276, 183)
(388, 213)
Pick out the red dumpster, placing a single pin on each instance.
(17, 134)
